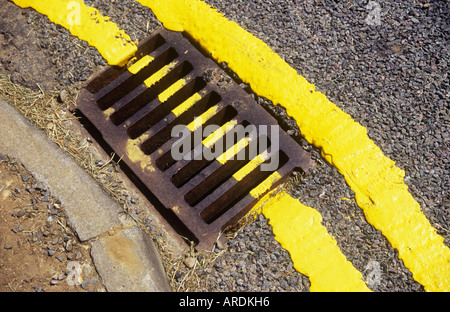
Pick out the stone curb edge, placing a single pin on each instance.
(123, 254)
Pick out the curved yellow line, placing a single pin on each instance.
(313, 250)
(87, 24)
(377, 182)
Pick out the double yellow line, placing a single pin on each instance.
(378, 184)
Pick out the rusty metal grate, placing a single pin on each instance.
(170, 83)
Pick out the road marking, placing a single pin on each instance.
(183, 107)
(266, 185)
(313, 250)
(171, 90)
(143, 62)
(87, 24)
(376, 181)
(250, 166)
(203, 118)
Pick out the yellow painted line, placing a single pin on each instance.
(265, 185)
(199, 121)
(153, 79)
(183, 107)
(174, 88)
(143, 62)
(212, 139)
(250, 166)
(232, 151)
(313, 250)
(87, 24)
(377, 182)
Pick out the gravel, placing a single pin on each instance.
(253, 261)
(391, 78)
(74, 59)
(39, 236)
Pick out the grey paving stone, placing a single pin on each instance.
(129, 260)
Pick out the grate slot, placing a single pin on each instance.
(113, 72)
(164, 135)
(222, 174)
(134, 81)
(150, 119)
(170, 83)
(193, 167)
(238, 191)
(221, 118)
(151, 93)
(150, 45)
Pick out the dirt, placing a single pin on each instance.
(19, 54)
(38, 251)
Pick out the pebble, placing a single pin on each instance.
(17, 228)
(391, 78)
(18, 213)
(69, 245)
(190, 262)
(134, 199)
(71, 256)
(39, 187)
(392, 52)
(63, 95)
(25, 178)
(47, 242)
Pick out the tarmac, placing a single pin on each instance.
(123, 254)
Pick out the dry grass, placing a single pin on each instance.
(43, 110)
(54, 118)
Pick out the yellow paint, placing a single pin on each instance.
(136, 155)
(232, 151)
(87, 24)
(143, 62)
(183, 107)
(212, 139)
(250, 166)
(199, 121)
(376, 181)
(153, 79)
(109, 112)
(258, 207)
(313, 250)
(265, 185)
(174, 88)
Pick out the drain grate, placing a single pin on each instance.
(170, 83)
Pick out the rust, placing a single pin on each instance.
(200, 196)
